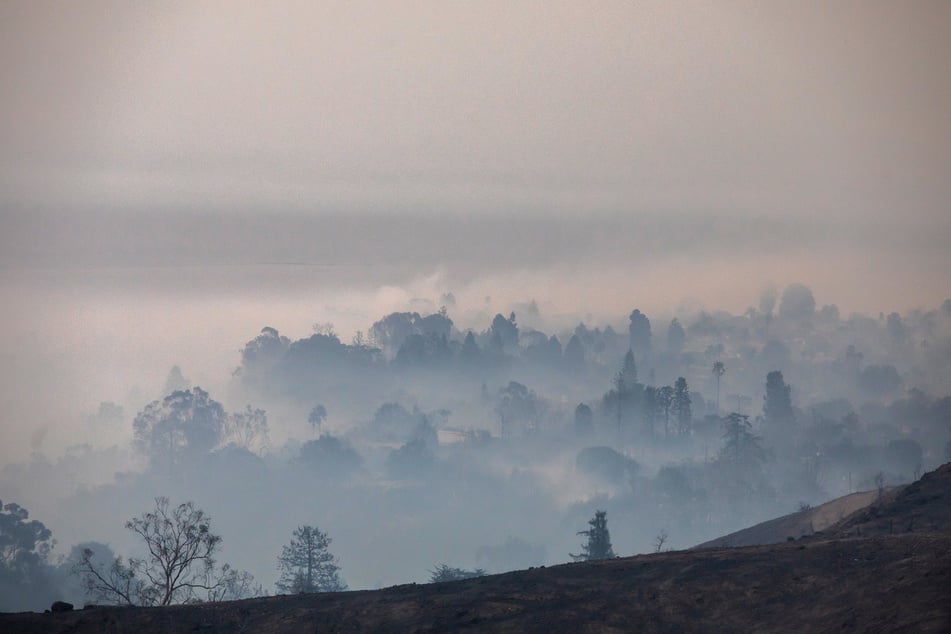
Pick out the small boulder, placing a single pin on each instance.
(61, 606)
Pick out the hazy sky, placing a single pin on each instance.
(228, 165)
(812, 109)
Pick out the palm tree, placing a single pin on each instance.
(718, 370)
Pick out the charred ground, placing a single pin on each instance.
(886, 567)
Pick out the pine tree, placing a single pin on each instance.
(307, 565)
(682, 406)
(625, 383)
(665, 401)
(740, 445)
(599, 540)
(629, 369)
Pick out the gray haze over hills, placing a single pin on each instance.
(176, 177)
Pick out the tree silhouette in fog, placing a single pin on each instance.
(307, 565)
(180, 566)
(777, 402)
(316, 417)
(718, 371)
(25, 545)
(184, 426)
(598, 545)
(639, 331)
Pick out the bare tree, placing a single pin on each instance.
(179, 567)
(880, 484)
(660, 540)
(248, 429)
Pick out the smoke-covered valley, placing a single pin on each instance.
(456, 429)
(444, 282)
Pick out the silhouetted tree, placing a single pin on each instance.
(777, 402)
(650, 405)
(598, 545)
(180, 564)
(584, 418)
(330, 456)
(895, 327)
(574, 353)
(516, 403)
(470, 353)
(263, 353)
(391, 331)
(506, 330)
(175, 382)
(797, 303)
(718, 370)
(316, 417)
(247, 429)
(412, 459)
(437, 324)
(423, 350)
(665, 400)
(682, 406)
(676, 337)
(640, 334)
(740, 445)
(306, 564)
(629, 369)
(394, 423)
(185, 424)
(25, 546)
(553, 352)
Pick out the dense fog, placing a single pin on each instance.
(424, 442)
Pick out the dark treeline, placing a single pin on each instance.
(422, 450)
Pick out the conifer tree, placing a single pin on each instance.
(599, 539)
(683, 411)
(307, 565)
(777, 402)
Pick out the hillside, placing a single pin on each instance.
(886, 567)
(922, 506)
(883, 583)
(799, 524)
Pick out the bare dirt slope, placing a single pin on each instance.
(799, 524)
(885, 580)
(922, 506)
